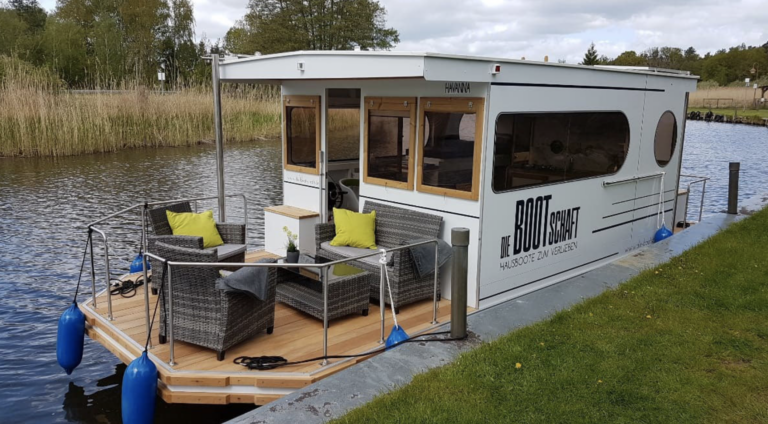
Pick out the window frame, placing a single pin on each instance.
(394, 104)
(452, 105)
(493, 165)
(305, 102)
(674, 140)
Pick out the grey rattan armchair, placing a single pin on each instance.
(394, 227)
(233, 235)
(204, 315)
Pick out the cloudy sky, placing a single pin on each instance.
(561, 29)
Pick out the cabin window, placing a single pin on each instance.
(533, 149)
(302, 133)
(390, 131)
(343, 126)
(450, 143)
(666, 138)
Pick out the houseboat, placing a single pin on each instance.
(555, 169)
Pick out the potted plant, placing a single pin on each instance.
(292, 255)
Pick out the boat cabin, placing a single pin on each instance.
(555, 169)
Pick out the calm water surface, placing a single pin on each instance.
(44, 206)
(46, 203)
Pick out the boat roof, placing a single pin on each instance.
(349, 64)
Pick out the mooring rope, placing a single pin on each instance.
(159, 298)
(383, 260)
(660, 212)
(82, 265)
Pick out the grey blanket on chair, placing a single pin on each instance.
(253, 281)
(424, 255)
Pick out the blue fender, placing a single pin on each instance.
(138, 264)
(139, 391)
(70, 338)
(396, 336)
(661, 234)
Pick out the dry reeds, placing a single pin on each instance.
(39, 118)
(724, 97)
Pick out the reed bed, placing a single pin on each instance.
(39, 118)
(729, 97)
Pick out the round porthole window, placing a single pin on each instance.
(666, 138)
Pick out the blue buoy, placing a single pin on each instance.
(138, 264)
(70, 338)
(139, 391)
(661, 234)
(396, 336)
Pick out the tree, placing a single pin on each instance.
(590, 58)
(273, 26)
(30, 13)
(178, 50)
(65, 50)
(628, 58)
(11, 29)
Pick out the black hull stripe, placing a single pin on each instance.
(550, 276)
(588, 87)
(628, 222)
(643, 197)
(419, 207)
(637, 209)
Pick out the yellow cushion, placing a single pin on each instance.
(354, 229)
(195, 224)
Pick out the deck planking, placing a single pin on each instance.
(297, 336)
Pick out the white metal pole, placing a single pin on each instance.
(324, 278)
(219, 136)
(382, 305)
(146, 279)
(169, 328)
(434, 299)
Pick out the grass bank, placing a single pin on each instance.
(39, 118)
(686, 342)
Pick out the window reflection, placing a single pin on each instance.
(545, 148)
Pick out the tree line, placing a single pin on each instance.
(91, 43)
(106, 43)
(725, 67)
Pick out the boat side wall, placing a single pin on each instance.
(612, 220)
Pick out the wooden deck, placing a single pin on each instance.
(197, 377)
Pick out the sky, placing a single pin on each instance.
(560, 29)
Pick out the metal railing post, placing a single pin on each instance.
(171, 361)
(146, 277)
(382, 304)
(434, 295)
(106, 263)
(93, 272)
(701, 203)
(324, 278)
(460, 242)
(733, 187)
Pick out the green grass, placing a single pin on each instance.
(750, 113)
(686, 342)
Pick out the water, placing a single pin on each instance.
(709, 146)
(46, 203)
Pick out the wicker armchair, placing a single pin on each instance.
(394, 226)
(204, 315)
(233, 249)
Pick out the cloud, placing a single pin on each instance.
(561, 29)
